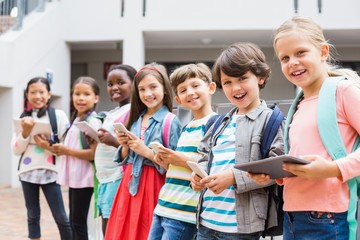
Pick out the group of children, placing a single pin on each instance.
(143, 194)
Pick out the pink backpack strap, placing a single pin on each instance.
(166, 126)
(123, 118)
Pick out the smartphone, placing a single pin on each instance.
(155, 146)
(121, 128)
(196, 169)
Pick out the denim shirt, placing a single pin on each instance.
(152, 133)
(251, 199)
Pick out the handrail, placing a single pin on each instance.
(12, 12)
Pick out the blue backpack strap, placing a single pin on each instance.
(289, 117)
(332, 140)
(53, 123)
(271, 130)
(54, 129)
(217, 124)
(210, 122)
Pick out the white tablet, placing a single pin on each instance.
(271, 166)
(86, 128)
(39, 128)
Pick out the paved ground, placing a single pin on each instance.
(13, 224)
(13, 217)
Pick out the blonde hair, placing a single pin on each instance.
(314, 33)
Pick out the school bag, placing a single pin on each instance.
(166, 127)
(330, 136)
(275, 191)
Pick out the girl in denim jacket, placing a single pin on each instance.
(137, 196)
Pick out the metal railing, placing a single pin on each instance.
(12, 12)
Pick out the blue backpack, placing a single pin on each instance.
(330, 135)
(275, 191)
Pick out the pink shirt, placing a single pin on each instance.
(75, 172)
(330, 194)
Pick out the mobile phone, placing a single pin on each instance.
(155, 146)
(196, 169)
(121, 128)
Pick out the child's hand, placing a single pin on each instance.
(59, 149)
(90, 140)
(173, 157)
(27, 124)
(107, 138)
(259, 178)
(138, 146)
(220, 181)
(160, 161)
(122, 139)
(42, 141)
(318, 168)
(196, 183)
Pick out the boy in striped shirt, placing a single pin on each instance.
(174, 215)
(233, 206)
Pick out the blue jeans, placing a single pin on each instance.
(205, 233)
(163, 228)
(54, 199)
(315, 225)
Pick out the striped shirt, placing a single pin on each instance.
(106, 169)
(219, 209)
(176, 199)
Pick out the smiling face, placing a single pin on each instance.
(302, 63)
(119, 86)
(84, 98)
(151, 93)
(38, 95)
(194, 94)
(243, 92)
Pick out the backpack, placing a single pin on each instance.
(330, 136)
(165, 128)
(275, 192)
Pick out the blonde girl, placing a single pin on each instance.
(137, 196)
(77, 155)
(316, 201)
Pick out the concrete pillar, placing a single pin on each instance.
(134, 49)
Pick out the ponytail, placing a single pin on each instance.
(348, 73)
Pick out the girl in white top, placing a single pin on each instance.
(37, 165)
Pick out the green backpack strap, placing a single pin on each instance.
(289, 117)
(327, 119)
(85, 145)
(332, 140)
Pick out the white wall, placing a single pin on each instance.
(45, 39)
(6, 133)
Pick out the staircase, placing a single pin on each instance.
(6, 22)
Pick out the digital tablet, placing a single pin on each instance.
(196, 169)
(86, 128)
(271, 166)
(39, 128)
